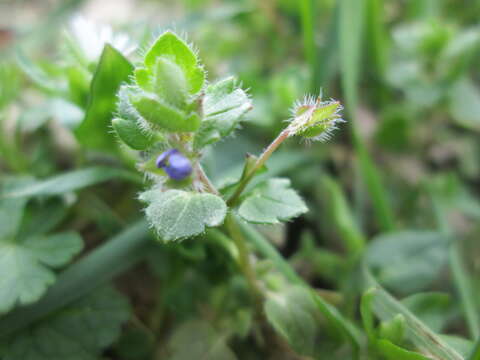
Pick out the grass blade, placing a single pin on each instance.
(307, 15)
(375, 34)
(386, 307)
(351, 14)
(71, 181)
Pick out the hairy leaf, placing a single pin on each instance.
(167, 117)
(224, 105)
(131, 134)
(271, 202)
(177, 214)
(170, 45)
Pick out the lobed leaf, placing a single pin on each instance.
(79, 331)
(26, 265)
(224, 105)
(11, 210)
(177, 214)
(271, 202)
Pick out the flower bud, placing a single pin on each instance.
(175, 164)
(315, 119)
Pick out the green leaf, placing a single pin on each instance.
(394, 352)
(271, 202)
(386, 307)
(339, 210)
(177, 214)
(459, 53)
(224, 105)
(66, 113)
(393, 330)
(131, 134)
(171, 46)
(408, 261)
(38, 76)
(475, 354)
(433, 308)
(42, 217)
(70, 181)
(79, 331)
(11, 210)
(464, 104)
(142, 78)
(97, 268)
(163, 115)
(26, 266)
(462, 345)
(294, 315)
(169, 82)
(112, 70)
(334, 317)
(198, 340)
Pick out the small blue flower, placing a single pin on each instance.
(177, 166)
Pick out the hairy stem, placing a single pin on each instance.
(259, 163)
(202, 176)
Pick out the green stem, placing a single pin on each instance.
(258, 165)
(244, 261)
(202, 176)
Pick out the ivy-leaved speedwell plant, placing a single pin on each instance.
(170, 114)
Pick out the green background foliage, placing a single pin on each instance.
(362, 247)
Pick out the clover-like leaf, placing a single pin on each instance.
(171, 46)
(224, 105)
(25, 265)
(80, 331)
(271, 202)
(177, 214)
